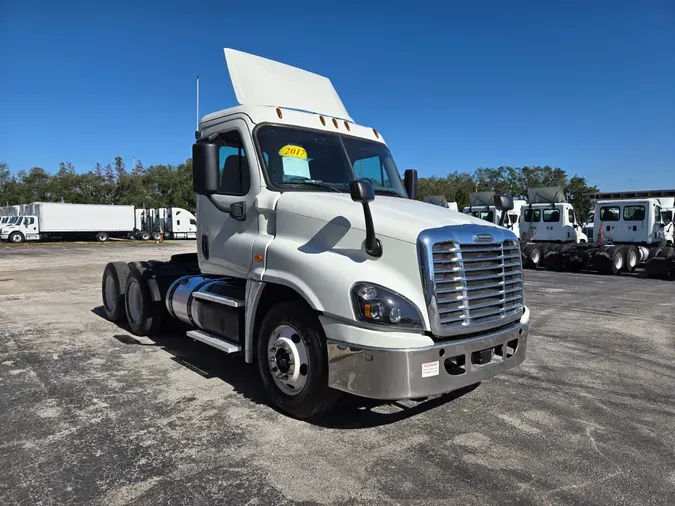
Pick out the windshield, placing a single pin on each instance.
(667, 216)
(309, 160)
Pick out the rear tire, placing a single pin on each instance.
(631, 257)
(307, 344)
(145, 236)
(113, 287)
(533, 255)
(617, 261)
(156, 236)
(143, 314)
(102, 237)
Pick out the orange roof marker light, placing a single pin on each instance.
(323, 120)
(376, 134)
(347, 126)
(335, 122)
(279, 113)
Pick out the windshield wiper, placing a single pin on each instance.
(311, 182)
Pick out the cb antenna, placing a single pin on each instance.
(197, 128)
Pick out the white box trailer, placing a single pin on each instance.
(44, 220)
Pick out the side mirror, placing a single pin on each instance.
(362, 191)
(205, 173)
(410, 183)
(503, 203)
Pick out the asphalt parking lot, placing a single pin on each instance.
(92, 415)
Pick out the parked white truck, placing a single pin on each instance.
(629, 232)
(481, 205)
(330, 283)
(547, 223)
(40, 221)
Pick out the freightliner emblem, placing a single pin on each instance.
(482, 238)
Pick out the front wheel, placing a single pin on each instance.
(293, 361)
(16, 237)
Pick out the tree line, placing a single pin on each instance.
(171, 185)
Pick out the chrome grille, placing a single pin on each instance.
(477, 284)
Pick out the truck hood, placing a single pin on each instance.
(393, 217)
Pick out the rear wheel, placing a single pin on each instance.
(533, 256)
(145, 236)
(102, 237)
(156, 236)
(113, 286)
(631, 257)
(293, 361)
(143, 314)
(16, 237)
(617, 261)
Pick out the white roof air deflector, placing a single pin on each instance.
(546, 195)
(481, 199)
(259, 81)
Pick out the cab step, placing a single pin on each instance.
(225, 300)
(213, 340)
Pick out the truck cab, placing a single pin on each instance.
(482, 206)
(23, 228)
(630, 221)
(313, 262)
(180, 223)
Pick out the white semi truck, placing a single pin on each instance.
(481, 205)
(547, 223)
(43, 220)
(175, 223)
(330, 283)
(629, 232)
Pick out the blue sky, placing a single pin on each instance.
(587, 86)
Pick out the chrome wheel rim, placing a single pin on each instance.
(632, 259)
(134, 301)
(16, 238)
(110, 292)
(618, 261)
(535, 256)
(287, 359)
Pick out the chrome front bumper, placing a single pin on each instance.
(386, 373)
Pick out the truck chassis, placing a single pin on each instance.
(608, 258)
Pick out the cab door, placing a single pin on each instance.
(30, 224)
(225, 243)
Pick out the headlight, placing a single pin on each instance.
(380, 306)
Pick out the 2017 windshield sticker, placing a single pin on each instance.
(293, 152)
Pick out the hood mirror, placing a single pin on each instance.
(503, 203)
(410, 183)
(362, 191)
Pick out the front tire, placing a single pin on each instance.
(16, 237)
(293, 361)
